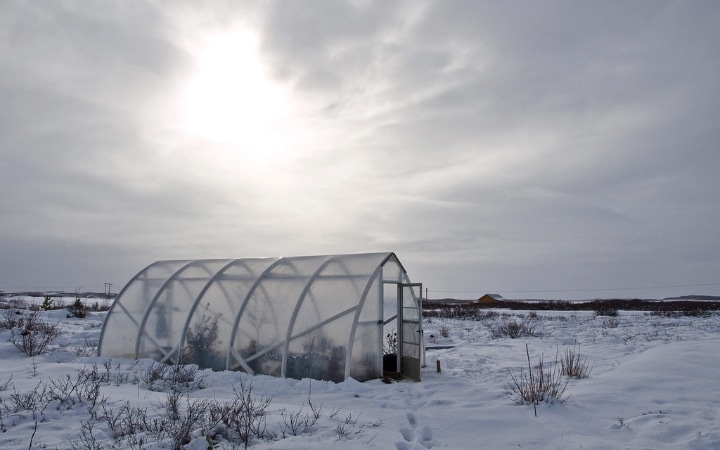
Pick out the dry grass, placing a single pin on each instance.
(573, 365)
(514, 329)
(538, 384)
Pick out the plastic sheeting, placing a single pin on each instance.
(301, 317)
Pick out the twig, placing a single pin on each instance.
(33, 436)
(527, 352)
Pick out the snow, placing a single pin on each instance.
(653, 385)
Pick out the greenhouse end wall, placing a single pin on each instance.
(301, 317)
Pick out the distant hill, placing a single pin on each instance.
(700, 298)
(58, 294)
(708, 298)
(447, 300)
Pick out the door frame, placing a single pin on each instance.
(411, 349)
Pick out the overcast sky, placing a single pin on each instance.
(555, 149)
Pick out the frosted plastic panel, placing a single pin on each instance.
(263, 325)
(258, 329)
(411, 296)
(123, 320)
(372, 307)
(207, 337)
(411, 350)
(411, 333)
(366, 360)
(315, 316)
(320, 354)
(411, 313)
(393, 271)
(220, 305)
(165, 323)
(390, 301)
(324, 300)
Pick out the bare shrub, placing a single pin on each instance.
(130, 421)
(444, 331)
(348, 427)
(64, 393)
(89, 348)
(538, 384)
(484, 314)
(181, 425)
(87, 440)
(606, 310)
(12, 318)
(514, 329)
(33, 335)
(97, 306)
(4, 385)
(252, 420)
(239, 421)
(153, 373)
(688, 312)
(119, 377)
(573, 365)
(18, 303)
(173, 405)
(611, 322)
(185, 377)
(33, 400)
(345, 431)
(172, 377)
(297, 423)
(69, 391)
(669, 314)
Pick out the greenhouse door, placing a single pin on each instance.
(410, 336)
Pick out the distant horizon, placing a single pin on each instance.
(699, 297)
(531, 299)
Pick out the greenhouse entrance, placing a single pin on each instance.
(407, 358)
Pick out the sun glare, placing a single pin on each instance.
(231, 101)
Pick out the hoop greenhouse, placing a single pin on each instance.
(323, 317)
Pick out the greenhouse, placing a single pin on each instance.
(322, 317)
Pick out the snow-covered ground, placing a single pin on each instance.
(653, 385)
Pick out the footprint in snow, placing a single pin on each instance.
(408, 434)
(412, 420)
(415, 440)
(426, 435)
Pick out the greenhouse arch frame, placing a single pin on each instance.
(326, 317)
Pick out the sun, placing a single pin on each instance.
(230, 100)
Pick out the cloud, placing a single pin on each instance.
(491, 145)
